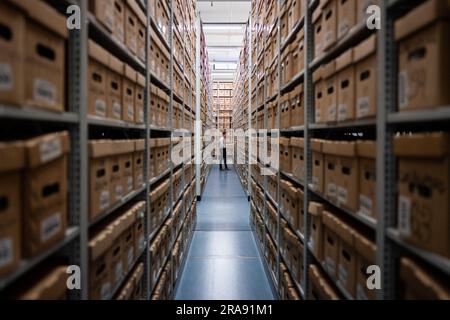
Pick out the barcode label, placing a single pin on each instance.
(342, 195)
(404, 216)
(104, 200)
(403, 89)
(6, 252)
(362, 107)
(51, 226)
(50, 150)
(44, 91)
(342, 112)
(100, 107)
(6, 77)
(117, 110)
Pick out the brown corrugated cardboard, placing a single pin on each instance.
(100, 277)
(423, 52)
(320, 288)
(138, 163)
(114, 89)
(346, 17)
(366, 151)
(115, 252)
(318, 166)
(421, 284)
(423, 177)
(366, 256)
(99, 85)
(296, 11)
(284, 21)
(298, 52)
(298, 160)
(365, 57)
(131, 25)
(347, 257)
(297, 108)
(331, 250)
(141, 34)
(331, 171)
(119, 20)
(12, 55)
(329, 8)
(315, 241)
(128, 95)
(126, 162)
(345, 86)
(319, 96)
(329, 108)
(104, 12)
(44, 55)
(139, 98)
(318, 32)
(51, 286)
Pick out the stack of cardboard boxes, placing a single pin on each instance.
(33, 189)
(116, 170)
(113, 249)
(159, 156)
(159, 107)
(159, 204)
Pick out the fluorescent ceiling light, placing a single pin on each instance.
(225, 27)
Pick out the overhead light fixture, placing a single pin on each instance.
(224, 27)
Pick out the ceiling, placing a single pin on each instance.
(224, 28)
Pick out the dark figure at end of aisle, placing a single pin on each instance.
(222, 146)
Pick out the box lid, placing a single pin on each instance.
(366, 149)
(163, 142)
(329, 220)
(340, 148)
(365, 48)
(115, 64)
(138, 11)
(422, 145)
(315, 208)
(130, 73)
(100, 148)
(329, 69)
(123, 146)
(139, 145)
(317, 14)
(140, 79)
(420, 17)
(297, 142)
(44, 15)
(365, 247)
(344, 60)
(317, 145)
(346, 233)
(100, 243)
(97, 53)
(318, 74)
(12, 156)
(50, 286)
(46, 148)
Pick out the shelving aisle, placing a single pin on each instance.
(224, 261)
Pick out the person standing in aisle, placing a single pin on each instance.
(223, 147)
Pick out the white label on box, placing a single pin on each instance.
(105, 291)
(331, 190)
(140, 179)
(312, 244)
(343, 28)
(119, 191)
(119, 271)
(130, 183)
(44, 91)
(332, 113)
(362, 107)
(120, 32)
(6, 77)
(50, 150)
(51, 226)
(130, 112)
(342, 195)
(141, 116)
(404, 216)
(360, 293)
(130, 258)
(343, 275)
(117, 110)
(342, 112)
(318, 115)
(330, 266)
(403, 89)
(109, 19)
(365, 205)
(6, 252)
(315, 183)
(133, 44)
(329, 37)
(104, 200)
(100, 107)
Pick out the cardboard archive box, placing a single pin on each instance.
(50, 284)
(297, 107)
(46, 176)
(98, 87)
(114, 90)
(345, 74)
(320, 288)
(347, 257)
(346, 11)
(298, 52)
(319, 96)
(330, 244)
(422, 38)
(315, 241)
(139, 98)
(119, 21)
(285, 107)
(296, 12)
(100, 274)
(318, 27)
(285, 155)
(12, 162)
(297, 158)
(318, 166)
(290, 202)
(330, 101)
(423, 187)
(141, 33)
(43, 56)
(138, 164)
(104, 12)
(366, 252)
(366, 152)
(366, 75)
(128, 95)
(131, 25)
(329, 16)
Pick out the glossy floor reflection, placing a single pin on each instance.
(223, 261)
